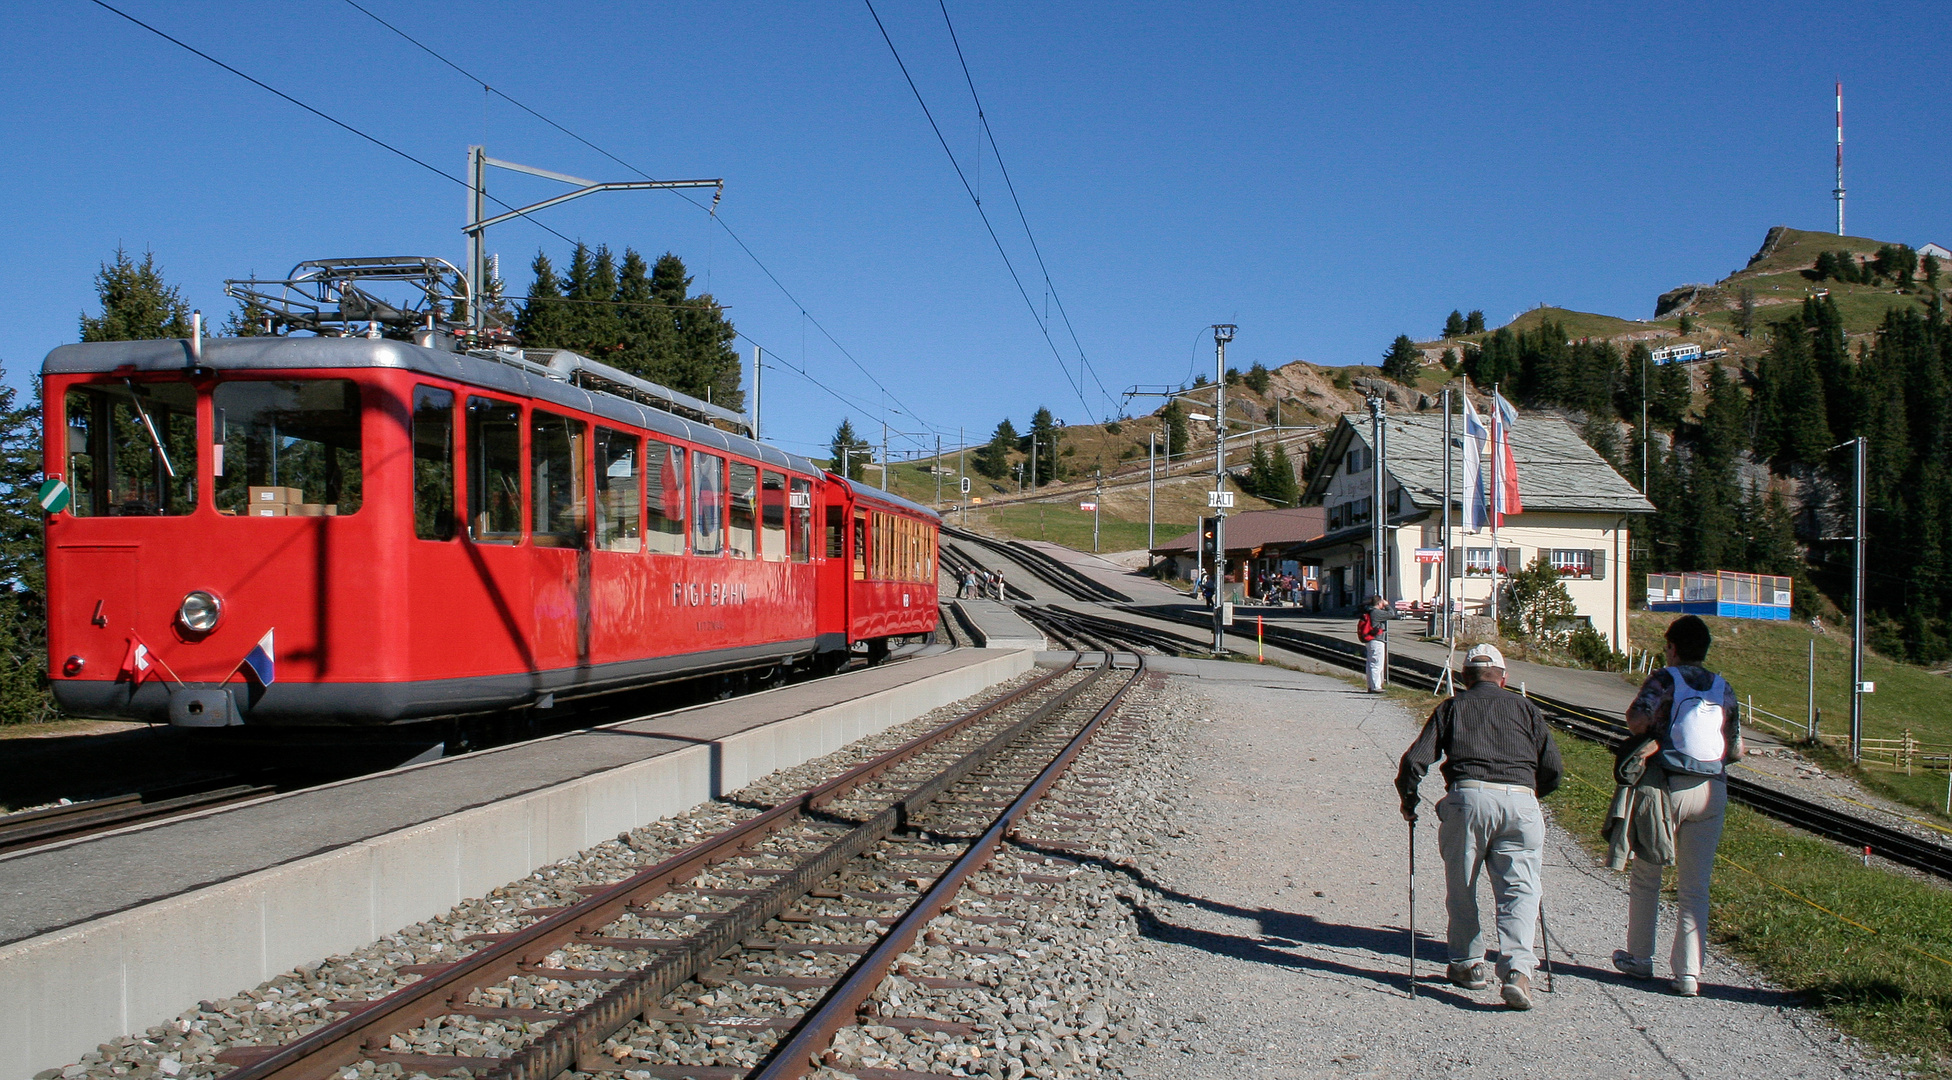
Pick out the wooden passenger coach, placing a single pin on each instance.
(414, 533)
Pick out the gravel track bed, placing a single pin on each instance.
(298, 1001)
(1782, 769)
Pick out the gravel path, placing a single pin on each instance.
(1277, 929)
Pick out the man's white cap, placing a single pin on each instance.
(1484, 656)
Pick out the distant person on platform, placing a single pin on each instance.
(1689, 732)
(1498, 759)
(1369, 631)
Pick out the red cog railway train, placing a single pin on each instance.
(318, 530)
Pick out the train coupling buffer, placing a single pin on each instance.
(205, 706)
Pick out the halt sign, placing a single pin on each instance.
(1430, 555)
(1220, 500)
(1087, 507)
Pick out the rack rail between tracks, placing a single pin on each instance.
(575, 1039)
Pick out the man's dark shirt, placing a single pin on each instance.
(1485, 733)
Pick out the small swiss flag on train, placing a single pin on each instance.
(261, 661)
(136, 663)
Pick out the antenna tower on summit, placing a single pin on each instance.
(1839, 193)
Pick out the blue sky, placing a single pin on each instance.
(1326, 176)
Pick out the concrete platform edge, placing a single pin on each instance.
(64, 992)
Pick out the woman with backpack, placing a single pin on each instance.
(1688, 728)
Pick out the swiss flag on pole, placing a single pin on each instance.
(137, 663)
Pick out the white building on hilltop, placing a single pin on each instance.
(1578, 514)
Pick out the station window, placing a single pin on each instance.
(286, 447)
(707, 504)
(494, 471)
(772, 516)
(617, 455)
(744, 505)
(433, 463)
(799, 517)
(556, 480)
(664, 499)
(132, 449)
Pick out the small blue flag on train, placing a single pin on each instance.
(262, 660)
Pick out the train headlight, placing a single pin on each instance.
(199, 612)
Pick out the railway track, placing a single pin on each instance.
(1883, 840)
(1085, 633)
(53, 824)
(815, 898)
(1046, 569)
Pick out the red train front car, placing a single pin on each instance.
(316, 530)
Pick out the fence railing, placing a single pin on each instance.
(1904, 752)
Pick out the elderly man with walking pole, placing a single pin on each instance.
(1498, 757)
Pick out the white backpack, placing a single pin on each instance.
(1696, 719)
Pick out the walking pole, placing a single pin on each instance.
(1413, 909)
(1545, 935)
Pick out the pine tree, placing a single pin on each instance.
(1930, 267)
(1672, 394)
(1282, 487)
(137, 304)
(1402, 362)
(1256, 378)
(993, 460)
(1474, 323)
(247, 319)
(544, 321)
(1826, 266)
(1745, 312)
(1047, 435)
(852, 449)
(1791, 425)
(1178, 437)
(1454, 324)
(23, 565)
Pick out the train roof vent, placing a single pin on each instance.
(579, 370)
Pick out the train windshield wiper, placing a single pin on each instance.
(154, 439)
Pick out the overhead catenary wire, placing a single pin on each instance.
(710, 210)
(1076, 384)
(328, 118)
(1050, 287)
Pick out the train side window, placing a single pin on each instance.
(799, 517)
(494, 471)
(132, 449)
(664, 499)
(707, 504)
(433, 463)
(836, 532)
(860, 545)
(617, 455)
(772, 516)
(560, 517)
(287, 447)
(744, 503)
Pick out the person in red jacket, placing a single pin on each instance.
(1369, 631)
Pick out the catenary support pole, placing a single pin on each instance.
(938, 474)
(758, 385)
(1151, 467)
(1222, 334)
(963, 502)
(1097, 493)
(1809, 707)
(1445, 563)
(884, 453)
(1378, 525)
(1857, 609)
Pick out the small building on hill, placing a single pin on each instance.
(1255, 542)
(1578, 516)
(1936, 252)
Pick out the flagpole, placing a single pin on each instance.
(1497, 503)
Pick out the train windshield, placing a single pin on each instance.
(286, 447)
(132, 449)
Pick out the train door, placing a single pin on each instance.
(831, 584)
(559, 525)
(498, 568)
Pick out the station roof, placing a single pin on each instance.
(1257, 529)
(1557, 471)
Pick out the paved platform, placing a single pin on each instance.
(998, 626)
(1278, 929)
(110, 933)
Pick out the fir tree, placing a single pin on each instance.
(1474, 323)
(1454, 324)
(1282, 488)
(1256, 378)
(137, 304)
(993, 460)
(23, 565)
(850, 448)
(1046, 435)
(544, 321)
(1402, 362)
(1177, 436)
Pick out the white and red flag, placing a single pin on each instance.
(1504, 495)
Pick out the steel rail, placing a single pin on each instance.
(1883, 840)
(575, 1042)
(799, 1053)
(363, 1034)
(1052, 572)
(31, 829)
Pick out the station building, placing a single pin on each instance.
(1257, 545)
(1578, 514)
